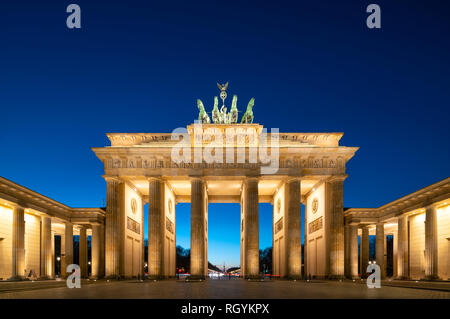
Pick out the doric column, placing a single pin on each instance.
(251, 228)
(431, 246)
(102, 251)
(334, 218)
(402, 248)
(293, 228)
(18, 243)
(364, 251)
(379, 248)
(347, 250)
(96, 254)
(305, 244)
(353, 251)
(156, 228)
(46, 247)
(115, 226)
(83, 253)
(395, 259)
(197, 228)
(67, 259)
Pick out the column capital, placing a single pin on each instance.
(251, 178)
(109, 178)
(197, 178)
(290, 179)
(337, 178)
(19, 206)
(154, 178)
(432, 206)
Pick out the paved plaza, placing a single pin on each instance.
(226, 289)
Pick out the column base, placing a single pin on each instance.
(253, 277)
(402, 278)
(431, 277)
(17, 278)
(45, 278)
(156, 277)
(336, 277)
(196, 278)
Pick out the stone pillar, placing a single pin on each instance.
(364, 251)
(96, 251)
(395, 259)
(379, 249)
(197, 228)
(18, 244)
(305, 244)
(293, 228)
(46, 248)
(251, 228)
(402, 248)
(83, 253)
(143, 241)
(102, 251)
(115, 228)
(334, 219)
(67, 259)
(156, 228)
(353, 251)
(347, 250)
(431, 243)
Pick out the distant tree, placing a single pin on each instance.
(265, 260)
(183, 259)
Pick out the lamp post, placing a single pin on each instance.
(58, 266)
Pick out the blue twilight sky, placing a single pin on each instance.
(139, 66)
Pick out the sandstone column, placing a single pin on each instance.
(353, 251)
(115, 227)
(431, 246)
(102, 251)
(379, 248)
(293, 229)
(197, 228)
(251, 228)
(96, 251)
(395, 259)
(347, 250)
(18, 243)
(364, 251)
(402, 249)
(83, 252)
(305, 244)
(156, 228)
(46, 247)
(67, 259)
(334, 219)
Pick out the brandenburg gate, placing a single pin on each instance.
(224, 162)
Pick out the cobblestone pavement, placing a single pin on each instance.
(223, 289)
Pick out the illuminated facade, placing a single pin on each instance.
(419, 224)
(29, 223)
(140, 168)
